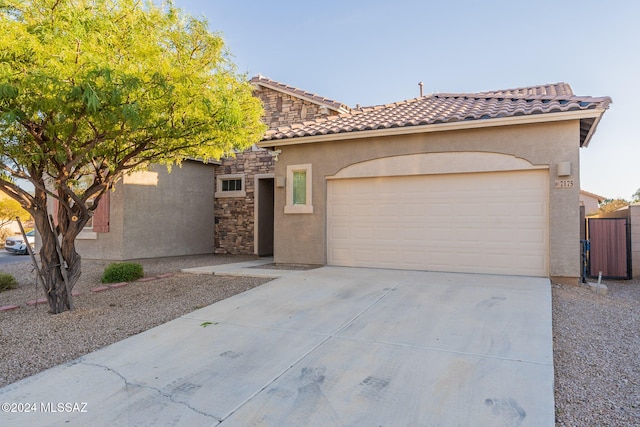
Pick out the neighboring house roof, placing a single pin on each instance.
(299, 93)
(464, 109)
(593, 195)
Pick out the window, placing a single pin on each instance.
(83, 183)
(89, 224)
(99, 220)
(298, 188)
(230, 185)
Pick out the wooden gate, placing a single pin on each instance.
(610, 247)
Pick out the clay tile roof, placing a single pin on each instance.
(452, 107)
(299, 93)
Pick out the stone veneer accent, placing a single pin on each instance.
(234, 216)
(281, 109)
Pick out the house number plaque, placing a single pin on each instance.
(564, 183)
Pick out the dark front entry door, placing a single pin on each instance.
(265, 216)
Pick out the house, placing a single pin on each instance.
(590, 201)
(479, 182)
(472, 182)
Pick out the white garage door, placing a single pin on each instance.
(480, 222)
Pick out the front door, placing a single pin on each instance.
(264, 217)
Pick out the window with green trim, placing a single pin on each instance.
(300, 187)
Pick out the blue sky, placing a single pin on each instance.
(375, 52)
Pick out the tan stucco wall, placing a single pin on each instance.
(301, 238)
(158, 214)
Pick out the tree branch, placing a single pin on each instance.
(17, 193)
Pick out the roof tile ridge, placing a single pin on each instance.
(514, 97)
(391, 104)
(514, 93)
(521, 88)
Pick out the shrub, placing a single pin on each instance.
(7, 282)
(122, 272)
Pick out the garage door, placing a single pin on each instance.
(478, 222)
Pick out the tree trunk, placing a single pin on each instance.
(58, 292)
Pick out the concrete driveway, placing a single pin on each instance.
(326, 347)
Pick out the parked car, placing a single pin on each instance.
(16, 244)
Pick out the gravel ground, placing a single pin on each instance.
(596, 355)
(596, 338)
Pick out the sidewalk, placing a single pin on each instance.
(247, 268)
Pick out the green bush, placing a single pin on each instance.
(7, 282)
(122, 272)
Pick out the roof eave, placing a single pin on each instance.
(204, 161)
(594, 195)
(442, 127)
(592, 130)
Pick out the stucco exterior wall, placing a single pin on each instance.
(301, 238)
(165, 214)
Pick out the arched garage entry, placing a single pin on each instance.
(460, 212)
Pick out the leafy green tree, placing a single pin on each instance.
(94, 89)
(636, 196)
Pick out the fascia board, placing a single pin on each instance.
(592, 130)
(440, 127)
